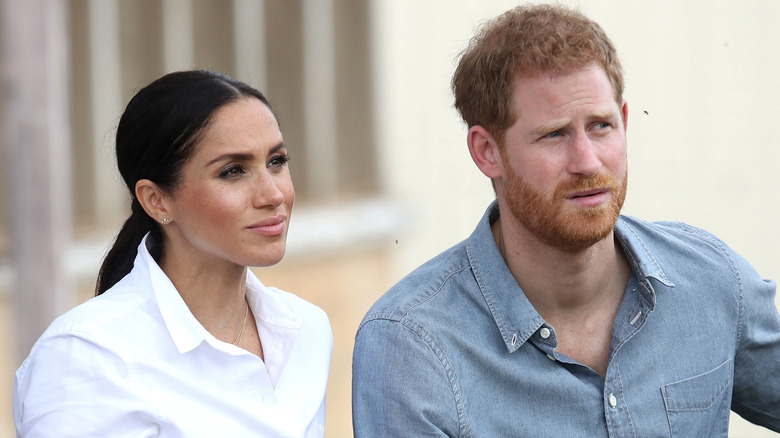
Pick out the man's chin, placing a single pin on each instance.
(578, 234)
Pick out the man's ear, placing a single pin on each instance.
(484, 151)
(152, 199)
(624, 113)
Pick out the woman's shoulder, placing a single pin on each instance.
(93, 347)
(105, 318)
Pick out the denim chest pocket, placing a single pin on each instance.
(699, 406)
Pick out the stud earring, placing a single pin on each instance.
(165, 221)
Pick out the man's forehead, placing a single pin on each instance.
(556, 93)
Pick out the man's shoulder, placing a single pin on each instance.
(424, 286)
(672, 242)
(665, 232)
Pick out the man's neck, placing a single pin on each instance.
(577, 293)
(558, 279)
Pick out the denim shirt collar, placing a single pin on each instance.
(514, 315)
(642, 261)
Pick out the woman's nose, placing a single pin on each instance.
(267, 192)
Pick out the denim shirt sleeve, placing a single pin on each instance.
(756, 394)
(400, 383)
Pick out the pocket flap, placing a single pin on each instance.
(698, 393)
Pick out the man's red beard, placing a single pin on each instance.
(562, 228)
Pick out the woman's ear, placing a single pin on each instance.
(153, 201)
(484, 151)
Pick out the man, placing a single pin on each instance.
(558, 317)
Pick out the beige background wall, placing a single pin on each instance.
(703, 111)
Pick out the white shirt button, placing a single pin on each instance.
(612, 400)
(544, 333)
(551, 357)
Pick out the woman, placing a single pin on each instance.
(182, 339)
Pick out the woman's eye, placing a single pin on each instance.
(232, 172)
(278, 161)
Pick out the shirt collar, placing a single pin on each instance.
(185, 330)
(642, 261)
(266, 305)
(278, 325)
(514, 315)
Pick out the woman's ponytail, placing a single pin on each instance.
(120, 258)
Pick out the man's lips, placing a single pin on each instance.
(586, 193)
(272, 226)
(589, 198)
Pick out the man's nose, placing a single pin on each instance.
(583, 156)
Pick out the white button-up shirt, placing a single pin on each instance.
(134, 362)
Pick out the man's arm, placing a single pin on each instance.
(401, 383)
(757, 364)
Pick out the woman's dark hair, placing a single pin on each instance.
(155, 137)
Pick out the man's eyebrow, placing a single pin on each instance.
(241, 156)
(604, 115)
(556, 125)
(549, 127)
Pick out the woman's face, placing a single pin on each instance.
(235, 196)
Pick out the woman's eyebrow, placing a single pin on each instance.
(244, 156)
(231, 157)
(277, 148)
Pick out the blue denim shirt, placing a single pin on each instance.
(456, 349)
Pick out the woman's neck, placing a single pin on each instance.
(214, 291)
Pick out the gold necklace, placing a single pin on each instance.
(246, 313)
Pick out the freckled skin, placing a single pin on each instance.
(236, 178)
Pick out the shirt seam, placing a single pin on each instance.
(430, 342)
(445, 280)
(399, 315)
(739, 293)
(623, 400)
(87, 336)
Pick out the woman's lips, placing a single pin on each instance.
(270, 227)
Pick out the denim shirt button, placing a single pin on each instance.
(551, 357)
(612, 400)
(544, 333)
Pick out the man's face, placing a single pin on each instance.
(563, 161)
